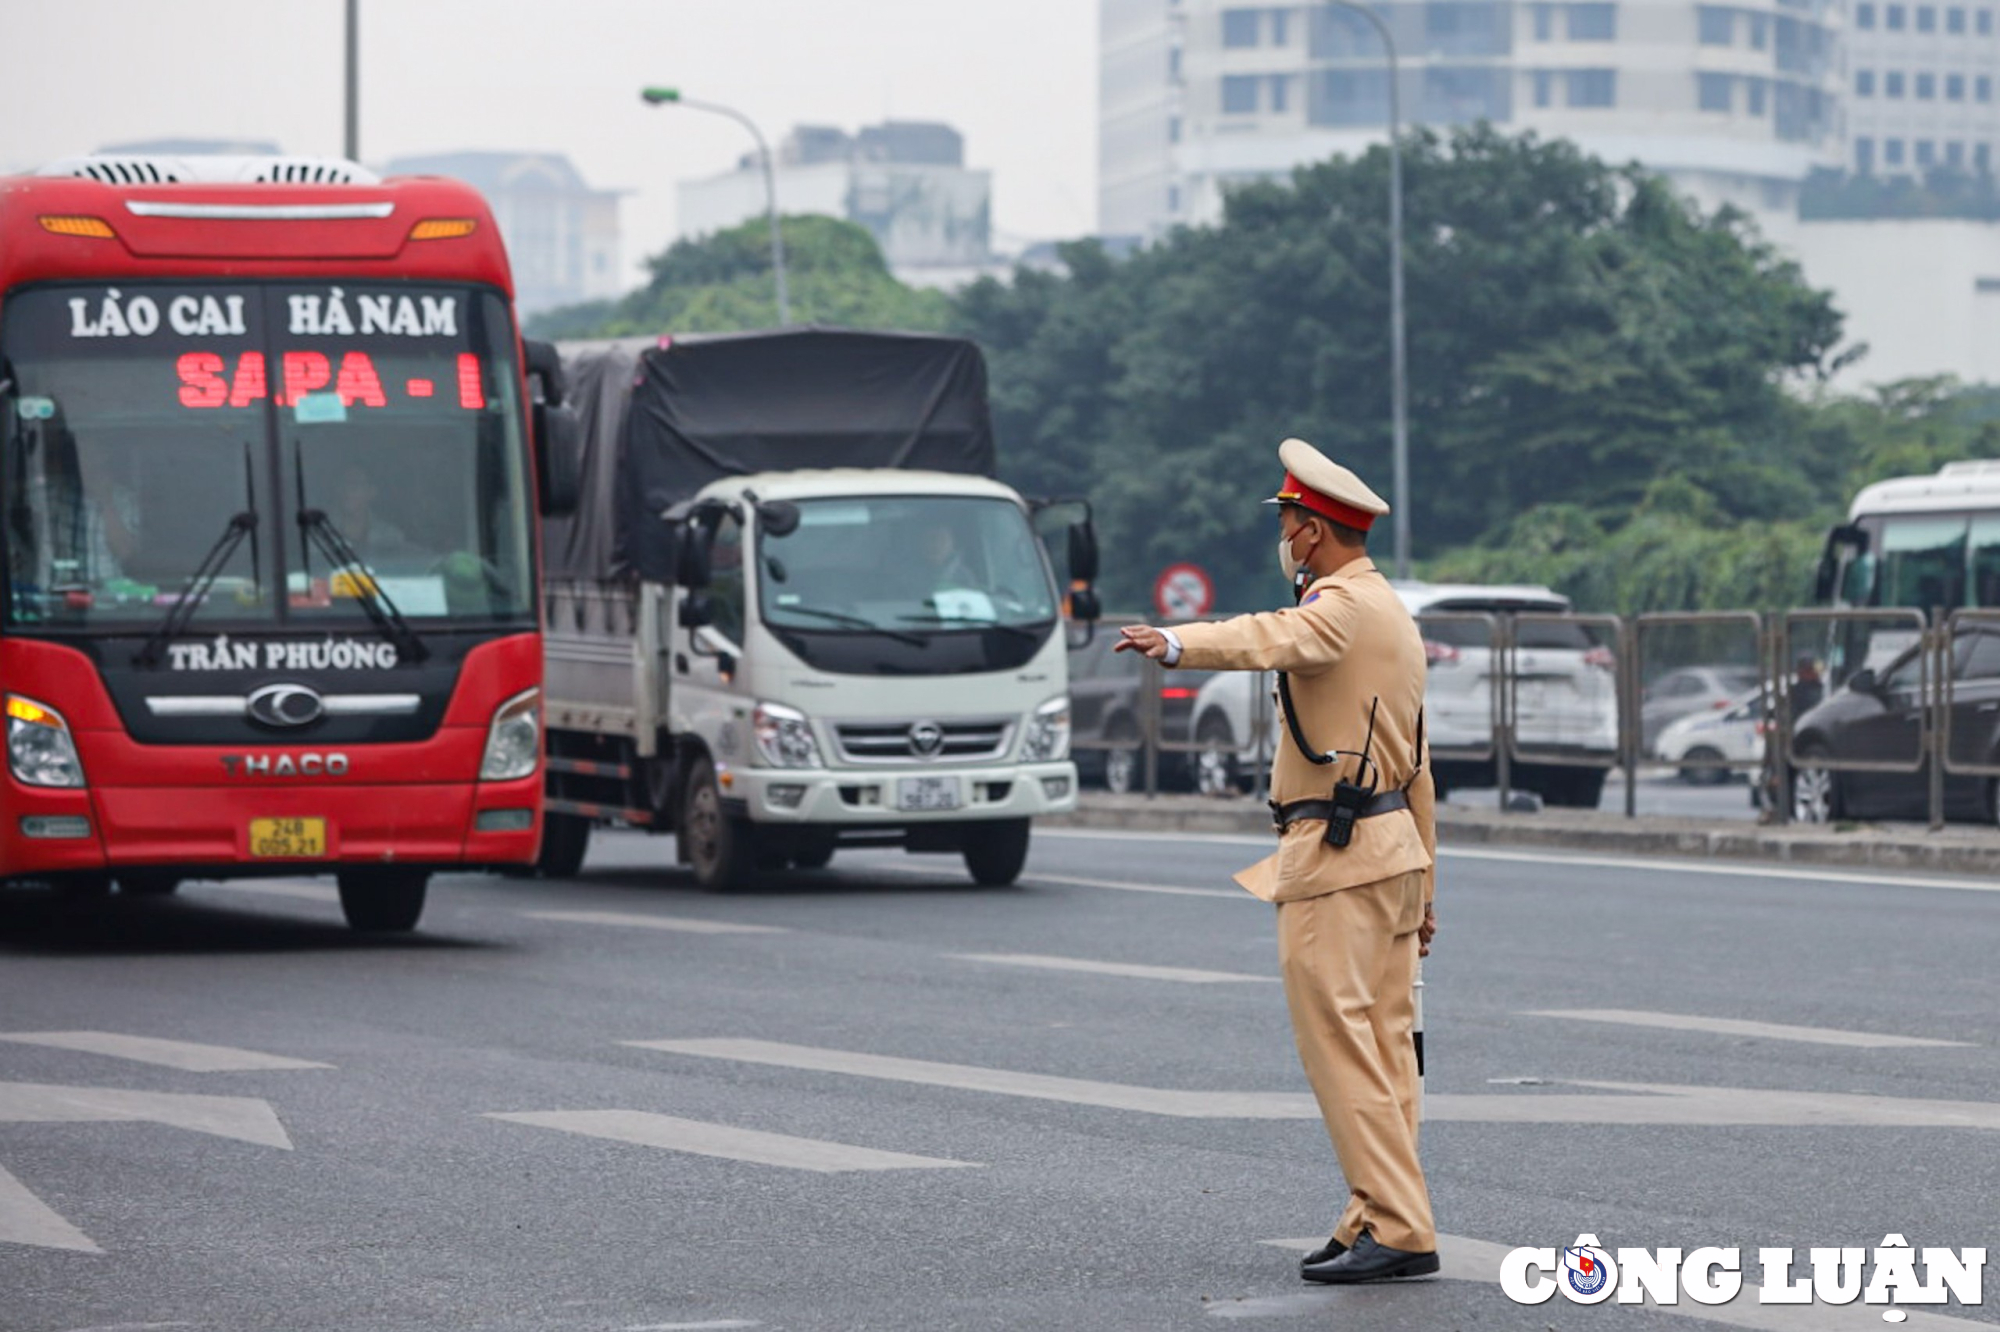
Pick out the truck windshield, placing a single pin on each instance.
(141, 421)
(906, 563)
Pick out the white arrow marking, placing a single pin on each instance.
(1189, 975)
(1640, 1103)
(244, 1118)
(184, 1055)
(727, 1141)
(26, 1219)
(1463, 1259)
(1770, 1031)
(626, 919)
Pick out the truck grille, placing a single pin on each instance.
(905, 741)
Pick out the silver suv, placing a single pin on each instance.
(1565, 695)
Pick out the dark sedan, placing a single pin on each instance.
(1877, 717)
(1108, 716)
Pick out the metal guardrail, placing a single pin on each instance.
(1519, 739)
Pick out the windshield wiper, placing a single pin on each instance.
(857, 622)
(190, 599)
(340, 552)
(970, 622)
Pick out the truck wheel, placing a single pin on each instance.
(995, 852)
(716, 846)
(148, 883)
(383, 901)
(565, 839)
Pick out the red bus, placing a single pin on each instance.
(269, 487)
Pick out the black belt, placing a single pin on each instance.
(1388, 802)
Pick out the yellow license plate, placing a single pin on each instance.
(287, 839)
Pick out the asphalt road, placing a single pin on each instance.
(876, 1097)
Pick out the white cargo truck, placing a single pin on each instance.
(795, 611)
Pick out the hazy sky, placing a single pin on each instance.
(1017, 78)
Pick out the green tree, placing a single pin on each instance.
(1576, 333)
(834, 271)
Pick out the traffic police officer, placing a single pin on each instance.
(1352, 918)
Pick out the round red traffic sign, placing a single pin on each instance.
(1183, 592)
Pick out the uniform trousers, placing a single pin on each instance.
(1348, 972)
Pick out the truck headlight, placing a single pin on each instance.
(39, 749)
(784, 736)
(1047, 736)
(514, 741)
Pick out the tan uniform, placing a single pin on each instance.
(1347, 916)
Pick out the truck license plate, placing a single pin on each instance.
(287, 839)
(919, 793)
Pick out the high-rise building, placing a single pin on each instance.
(562, 236)
(1737, 103)
(1921, 87)
(905, 181)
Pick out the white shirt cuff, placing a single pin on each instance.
(1173, 657)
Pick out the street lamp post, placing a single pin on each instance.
(662, 96)
(1399, 405)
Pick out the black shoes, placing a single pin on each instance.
(1325, 1253)
(1366, 1261)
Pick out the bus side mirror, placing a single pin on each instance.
(1083, 552)
(558, 458)
(545, 368)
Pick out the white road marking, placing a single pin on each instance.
(727, 1141)
(244, 1118)
(303, 890)
(717, 1323)
(1631, 1103)
(26, 1219)
(1726, 869)
(1029, 876)
(184, 1055)
(1773, 1031)
(684, 924)
(1189, 975)
(1463, 1259)
(1663, 865)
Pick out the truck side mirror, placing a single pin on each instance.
(691, 565)
(558, 458)
(1083, 605)
(1083, 551)
(696, 611)
(779, 518)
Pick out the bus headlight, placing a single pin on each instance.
(514, 741)
(1047, 736)
(784, 736)
(39, 749)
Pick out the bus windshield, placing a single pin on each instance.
(1925, 561)
(142, 423)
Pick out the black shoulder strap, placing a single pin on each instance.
(1418, 752)
(1292, 724)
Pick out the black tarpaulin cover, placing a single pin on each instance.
(664, 417)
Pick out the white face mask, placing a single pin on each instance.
(1286, 560)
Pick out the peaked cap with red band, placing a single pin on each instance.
(1316, 482)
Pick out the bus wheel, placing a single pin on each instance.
(716, 845)
(383, 901)
(995, 852)
(565, 839)
(148, 884)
